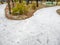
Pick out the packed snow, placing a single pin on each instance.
(43, 28)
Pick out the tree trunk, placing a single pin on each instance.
(37, 3)
(8, 1)
(27, 2)
(57, 2)
(31, 1)
(20, 1)
(13, 3)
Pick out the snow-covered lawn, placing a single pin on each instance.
(41, 29)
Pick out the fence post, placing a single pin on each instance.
(37, 3)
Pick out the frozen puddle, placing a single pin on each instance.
(41, 29)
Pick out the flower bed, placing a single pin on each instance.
(20, 12)
(18, 17)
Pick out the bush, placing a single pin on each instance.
(20, 9)
(33, 6)
(14, 11)
(16, 0)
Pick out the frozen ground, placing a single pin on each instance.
(41, 29)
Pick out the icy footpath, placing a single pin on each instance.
(41, 29)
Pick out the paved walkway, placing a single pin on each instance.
(41, 29)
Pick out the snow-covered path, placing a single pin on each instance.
(41, 29)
